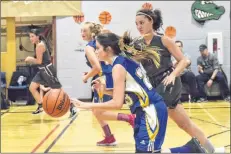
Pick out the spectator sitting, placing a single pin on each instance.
(208, 67)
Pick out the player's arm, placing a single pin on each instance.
(40, 49)
(96, 68)
(182, 61)
(98, 81)
(119, 75)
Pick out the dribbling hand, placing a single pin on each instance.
(79, 104)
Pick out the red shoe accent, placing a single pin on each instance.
(107, 141)
(132, 120)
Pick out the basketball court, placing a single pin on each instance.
(61, 24)
(23, 132)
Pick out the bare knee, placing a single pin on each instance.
(181, 118)
(95, 112)
(33, 87)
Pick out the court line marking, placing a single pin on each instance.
(209, 114)
(60, 134)
(218, 133)
(4, 115)
(45, 138)
(209, 122)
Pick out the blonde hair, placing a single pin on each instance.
(137, 50)
(95, 29)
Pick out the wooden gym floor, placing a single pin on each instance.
(23, 132)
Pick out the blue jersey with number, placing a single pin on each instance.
(139, 91)
(147, 104)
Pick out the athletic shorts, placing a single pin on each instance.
(150, 127)
(171, 93)
(47, 76)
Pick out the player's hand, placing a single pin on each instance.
(95, 84)
(84, 78)
(170, 79)
(98, 85)
(79, 104)
(45, 89)
(29, 59)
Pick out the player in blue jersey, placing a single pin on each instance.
(100, 68)
(132, 84)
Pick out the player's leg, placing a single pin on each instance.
(109, 139)
(114, 116)
(143, 137)
(180, 117)
(35, 84)
(100, 116)
(49, 75)
(41, 92)
(150, 128)
(193, 146)
(176, 112)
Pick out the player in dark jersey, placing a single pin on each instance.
(165, 79)
(46, 75)
(132, 84)
(100, 69)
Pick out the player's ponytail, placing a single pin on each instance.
(137, 50)
(95, 29)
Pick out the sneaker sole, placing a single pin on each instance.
(37, 113)
(108, 144)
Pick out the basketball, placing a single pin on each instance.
(56, 103)
(79, 18)
(105, 17)
(147, 6)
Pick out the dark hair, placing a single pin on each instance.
(109, 40)
(178, 41)
(155, 15)
(37, 32)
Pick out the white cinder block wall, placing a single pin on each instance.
(71, 63)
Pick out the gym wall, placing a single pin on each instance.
(70, 56)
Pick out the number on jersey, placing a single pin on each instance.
(143, 77)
